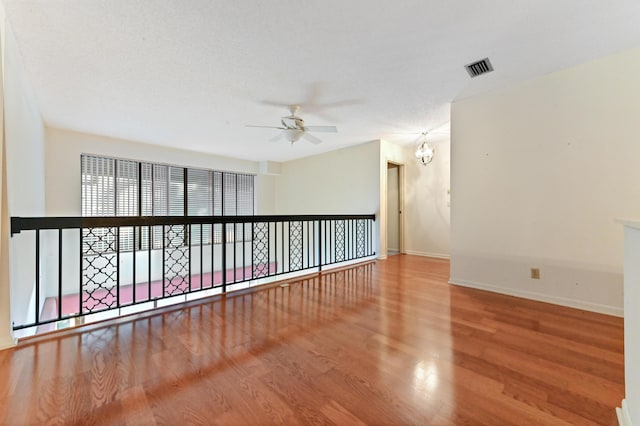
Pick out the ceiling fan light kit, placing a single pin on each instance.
(425, 151)
(293, 135)
(293, 128)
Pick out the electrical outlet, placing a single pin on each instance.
(535, 273)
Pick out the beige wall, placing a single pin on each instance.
(631, 404)
(424, 197)
(539, 172)
(63, 186)
(345, 181)
(63, 149)
(336, 182)
(354, 180)
(427, 208)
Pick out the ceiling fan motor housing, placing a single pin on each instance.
(292, 122)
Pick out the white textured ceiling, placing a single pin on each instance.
(192, 73)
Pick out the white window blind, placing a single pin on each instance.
(200, 202)
(126, 188)
(97, 199)
(160, 185)
(176, 203)
(160, 200)
(146, 198)
(146, 187)
(98, 186)
(244, 201)
(229, 203)
(217, 193)
(126, 198)
(176, 191)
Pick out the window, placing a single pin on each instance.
(114, 187)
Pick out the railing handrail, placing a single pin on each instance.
(19, 224)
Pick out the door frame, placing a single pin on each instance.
(401, 213)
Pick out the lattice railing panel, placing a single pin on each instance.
(296, 240)
(260, 247)
(99, 269)
(176, 260)
(361, 238)
(340, 240)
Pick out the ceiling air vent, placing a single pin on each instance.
(479, 67)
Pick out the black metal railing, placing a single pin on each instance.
(89, 265)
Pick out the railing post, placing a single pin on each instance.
(320, 246)
(37, 276)
(81, 271)
(224, 257)
(118, 267)
(59, 273)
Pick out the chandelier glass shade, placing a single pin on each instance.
(425, 151)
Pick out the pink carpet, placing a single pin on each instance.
(103, 299)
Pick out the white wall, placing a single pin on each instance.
(539, 172)
(427, 208)
(25, 174)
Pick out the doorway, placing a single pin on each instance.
(394, 208)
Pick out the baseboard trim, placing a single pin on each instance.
(427, 254)
(624, 417)
(540, 297)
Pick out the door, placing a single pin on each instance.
(394, 209)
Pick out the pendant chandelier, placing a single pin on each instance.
(425, 151)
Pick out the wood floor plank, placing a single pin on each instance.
(387, 342)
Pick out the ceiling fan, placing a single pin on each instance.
(293, 128)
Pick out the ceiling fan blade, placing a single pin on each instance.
(311, 138)
(277, 137)
(275, 103)
(264, 127)
(326, 129)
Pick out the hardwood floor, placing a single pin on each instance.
(389, 342)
